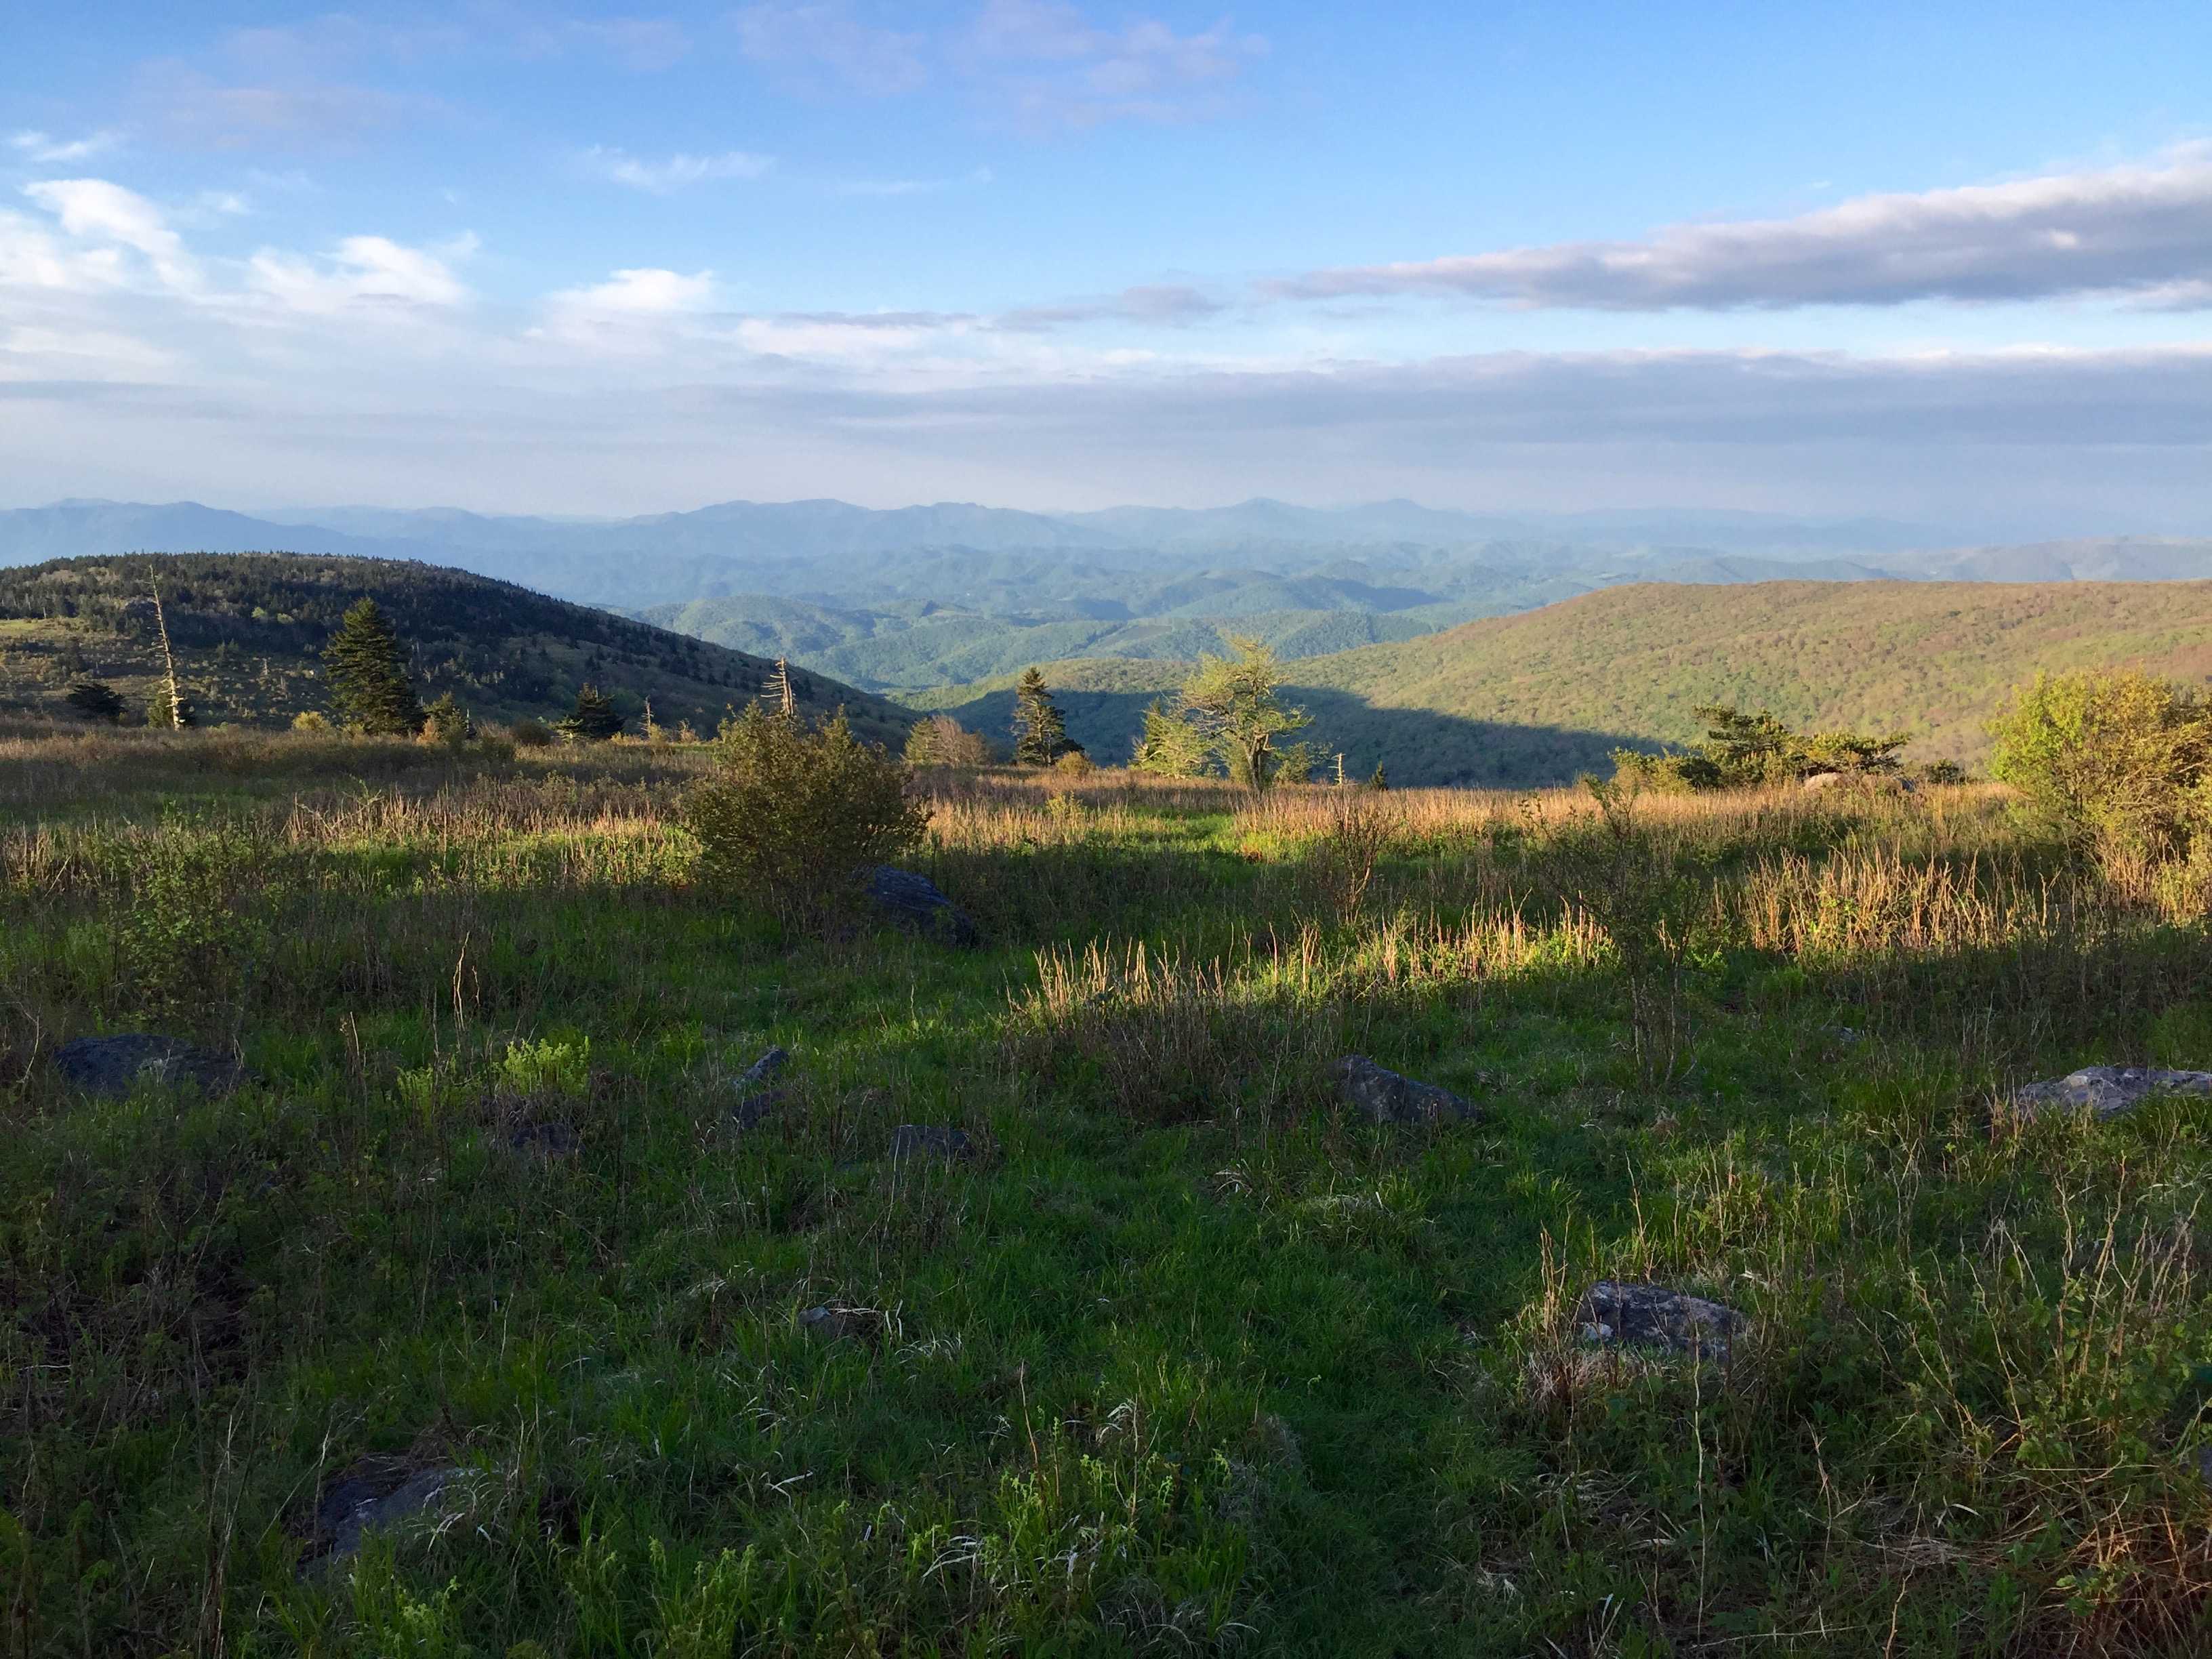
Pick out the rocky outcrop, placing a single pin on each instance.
(1382, 1095)
(2109, 1090)
(111, 1066)
(915, 903)
(1653, 1317)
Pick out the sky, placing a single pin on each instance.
(1950, 262)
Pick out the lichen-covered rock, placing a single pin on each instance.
(2109, 1090)
(915, 903)
(1653, 1317)
(1382, 1095)
(930, 1140)
(111, 1066)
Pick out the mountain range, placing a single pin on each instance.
(905, 599)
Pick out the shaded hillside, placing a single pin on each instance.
(1513, 699)
(249, 630)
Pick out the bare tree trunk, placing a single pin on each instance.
(168, 657)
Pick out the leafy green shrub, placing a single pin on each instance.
(310, 719)
(797, 815)
(1752, 751)
(2117, 763)
(444, 721)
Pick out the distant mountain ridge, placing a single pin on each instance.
(249, 631)
(1538, 696)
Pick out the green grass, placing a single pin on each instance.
(1184, 1360)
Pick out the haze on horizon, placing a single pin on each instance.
(586, 260)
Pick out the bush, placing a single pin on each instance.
(795, 816)
(2117, 762)
(940, 740)
(1751, 751)
(447, 723)
(530, 734)
(1075, 764)
(309, 720)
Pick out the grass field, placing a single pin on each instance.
(1185, 1360)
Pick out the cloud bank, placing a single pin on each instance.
(2144, 232)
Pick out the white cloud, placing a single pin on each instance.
(2141, 230)
(37, 147)
(94, 210)
(664, 177)
(362, 271)
(642, 293)
(1050, 67)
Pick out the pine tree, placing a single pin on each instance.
(369, 687)
(593, 720)
(1040, 733)
(95, 700)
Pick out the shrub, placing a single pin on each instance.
(2117, 762)
(447, 722)
(1075, 764)
(796, 815)
(1751, 751)
(309, 720)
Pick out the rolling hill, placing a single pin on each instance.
(1534, 697)
(249, 629)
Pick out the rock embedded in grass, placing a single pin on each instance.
(1382, 1095)
(377, 1494)
(915, 903)
(111, 1066)
(755, 1100)
(1653, 1317)
(930, 1140)
(837, 1324)
(2109, 1090)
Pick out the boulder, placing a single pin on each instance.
(111, 1066)
(915, 903)
(376, 1494)
(930, 1140)
(1382, 1095)
(1653, 1317)
(2109, 1090)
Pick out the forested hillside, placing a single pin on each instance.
(249, 630)
(1534, 698)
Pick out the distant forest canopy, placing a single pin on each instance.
(1545, 695)
(249, 629)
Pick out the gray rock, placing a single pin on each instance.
(375, 1495)
(2109, 1090)
(546, 1140)
(1653, 1317)
(930, 1140)
(838, 1324)
(1382, 1095)
(915, 904)
(755, 1099)
(111, 1066)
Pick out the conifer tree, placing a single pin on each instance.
(593, 720)
(95, 700)
(1040, 731)
(369, 687)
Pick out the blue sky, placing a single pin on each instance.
(1950, 262)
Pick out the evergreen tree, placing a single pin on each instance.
(593, 720)
(1040, 731)
(95, 700)
(447, 722)
(369, 687)
(1381, 781)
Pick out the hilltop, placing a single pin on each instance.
(249, 630)
(1531, 698)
